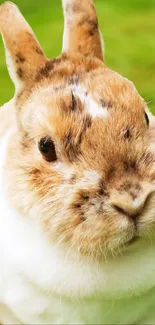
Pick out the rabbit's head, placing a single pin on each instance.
(79, 161)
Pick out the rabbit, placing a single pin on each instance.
(77, 182)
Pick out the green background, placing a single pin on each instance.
(128, 27)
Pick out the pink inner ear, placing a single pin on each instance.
(23, 52)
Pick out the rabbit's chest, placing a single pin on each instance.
(29, 305)
(25, 303)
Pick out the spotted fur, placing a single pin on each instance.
(98, 197)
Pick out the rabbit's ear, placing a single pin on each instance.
(81, 31)
(23, 52)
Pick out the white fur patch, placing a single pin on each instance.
(91, 106)
(94, 109)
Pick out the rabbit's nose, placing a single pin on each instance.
(129, 204)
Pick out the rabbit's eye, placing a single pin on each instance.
(47, 149)
(147, 119)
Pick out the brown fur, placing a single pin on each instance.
(103, 163)
(82, 25)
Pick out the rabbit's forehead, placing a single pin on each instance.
(75, 99)
(98, 88)
(100, 102)
(99, 91)
(96, 96)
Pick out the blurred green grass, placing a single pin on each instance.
(128, 27)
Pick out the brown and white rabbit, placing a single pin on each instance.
(77, 182)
